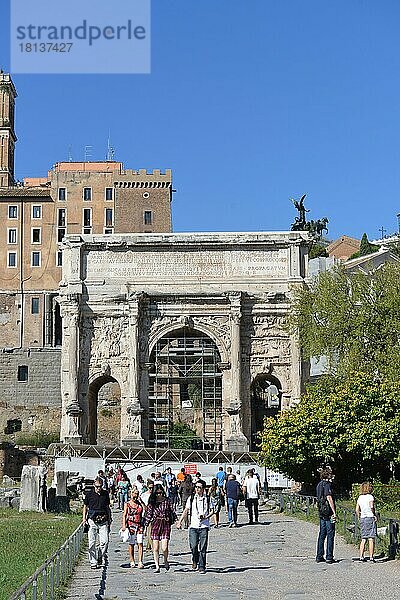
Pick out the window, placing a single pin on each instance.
(62, 193)
(87, 230)
(35, 306)
(13, 425)
(108, 231)
(148, 217)
(87, 217)
(11, 259)
(36, 235)
(61, 217)
(23, 373)
(87, 193)
(109, 193)
(109, 217)
(35, 259)
(60, 234)
(36, 212)
(59, 259)
(146, 195)
(12, 236)
(13, 212)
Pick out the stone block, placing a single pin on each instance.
(15, 503)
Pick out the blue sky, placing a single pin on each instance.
(250, 102)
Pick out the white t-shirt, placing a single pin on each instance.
(251, 484)
(139, 486)
(364, 501)
(199, 507)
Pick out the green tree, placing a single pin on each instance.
(366, 247)
(317, 250)
(352, 424)
(352, 319)
(181, 436)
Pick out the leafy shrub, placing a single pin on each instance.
(38, 439)
(387, 495)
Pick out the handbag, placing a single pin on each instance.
(124, 534)
(86, 527)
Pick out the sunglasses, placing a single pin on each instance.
(198, 487)
(98, 487)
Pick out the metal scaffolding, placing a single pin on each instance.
(185, 386)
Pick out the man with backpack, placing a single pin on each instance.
(198, 509)
(327, 517)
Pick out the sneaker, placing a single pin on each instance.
(331, 561)
(167, 565)
(230, 525)
(202, 571)
(194, 566)
(157, 570)
(132, 564)
(319, 560)
(372, 560)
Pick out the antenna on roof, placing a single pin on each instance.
(88, 152)
(70, 159)
(110, 149)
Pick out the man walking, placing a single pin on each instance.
(327, 517)
(97, 513)
(252, 492)
(198, 509)
(232, 489)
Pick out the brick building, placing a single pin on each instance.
(35, 215)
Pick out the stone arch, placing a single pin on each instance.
(97, 382)
(263, 403)
(185, 387)
(201, 327)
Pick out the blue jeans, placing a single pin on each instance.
(123, 498)
(232, 510)
(326, 530)
(198, 540)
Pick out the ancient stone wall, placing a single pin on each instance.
(37, 401)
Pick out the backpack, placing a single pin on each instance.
(191, 505)
(324, 508)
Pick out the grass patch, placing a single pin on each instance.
(27, 539)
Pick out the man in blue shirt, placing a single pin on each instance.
(232, 490)
(221, 476)
(327, 517)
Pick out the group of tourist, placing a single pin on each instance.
(150, 508)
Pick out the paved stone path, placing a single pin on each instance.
(274, 560)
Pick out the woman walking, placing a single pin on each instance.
(187, 489)
(160, 516)
(132, 520)
(123, 488)
(365, 510)
(215, 493)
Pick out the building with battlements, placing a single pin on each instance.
(35, 215)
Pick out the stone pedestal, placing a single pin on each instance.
(133, 437)
(61, 485)
(236, 441)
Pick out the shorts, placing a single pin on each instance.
(136, 538)
(368, 528)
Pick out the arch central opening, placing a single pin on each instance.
(185, 392)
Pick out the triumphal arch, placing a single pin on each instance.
(192, 328)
